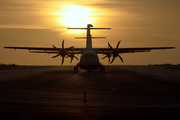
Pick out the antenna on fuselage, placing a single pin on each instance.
(89, 38)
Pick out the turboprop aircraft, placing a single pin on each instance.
(89, 59)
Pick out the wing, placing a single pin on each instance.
(80, 50)
(114, 52)
(132, 50)
(46, 49)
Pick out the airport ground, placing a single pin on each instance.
(122, 92)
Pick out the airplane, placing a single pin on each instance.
(89, 59)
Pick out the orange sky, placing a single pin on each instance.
(137, 23)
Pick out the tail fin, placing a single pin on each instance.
(89, 38)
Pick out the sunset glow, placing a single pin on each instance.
(75, 16)
(39, 23)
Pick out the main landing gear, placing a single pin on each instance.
(102, 69)
(76, 69)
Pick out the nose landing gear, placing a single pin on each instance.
(76, 68)
(102, 69)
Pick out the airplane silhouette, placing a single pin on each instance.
(89, 59)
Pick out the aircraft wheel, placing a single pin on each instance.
(75, 68)
(102, 69)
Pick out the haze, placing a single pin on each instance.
(137, 23)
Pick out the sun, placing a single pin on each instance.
(75, 16)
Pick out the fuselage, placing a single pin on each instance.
(89, 60)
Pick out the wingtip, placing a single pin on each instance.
(171, 47)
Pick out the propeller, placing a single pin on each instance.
(115, 52)
(63, 52)
(71, 55)
(108, 55)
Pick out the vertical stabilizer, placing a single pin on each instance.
(89, 38)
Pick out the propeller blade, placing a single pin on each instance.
(104, 57)
(120, 58)
(68, 49)
(54, 47)
(63, 45)
(71, 47)
(111, 46)
(56, 56)
(117, 45)
(113, 59)
(62, 60)
(76, 58)
(71, 60)
(109, 59)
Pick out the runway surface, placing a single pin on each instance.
(122, 92)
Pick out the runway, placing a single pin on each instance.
(122, 92)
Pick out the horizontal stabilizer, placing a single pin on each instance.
(101, 28)
(89, 28)
(86, 37)
(76, 28)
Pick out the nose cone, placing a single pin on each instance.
(88, 59)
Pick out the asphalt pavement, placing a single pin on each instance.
(122, 92)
